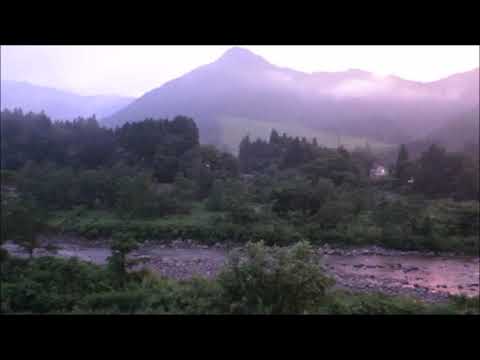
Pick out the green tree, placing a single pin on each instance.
(216, 199)
(244, 154)
(22, 222)
(274, 137)
(271, 280)
(122, 245)
(402, 165)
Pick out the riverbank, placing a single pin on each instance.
(426, 276)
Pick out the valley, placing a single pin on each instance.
(232, 185)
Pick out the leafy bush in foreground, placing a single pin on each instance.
(274, 280)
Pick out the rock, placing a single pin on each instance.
(40, 252)
(358, 265)
(177, 243)
(144, 258)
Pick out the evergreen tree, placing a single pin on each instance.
(402, 165)
(244, 154)
(274, 137)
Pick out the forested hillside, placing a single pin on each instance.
(152, 181)
(246, 88)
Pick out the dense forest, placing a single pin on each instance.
(154, 180)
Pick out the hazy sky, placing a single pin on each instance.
(133, 70)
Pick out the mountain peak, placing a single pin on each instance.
(238, 52)
(358, 72)
(240, 56)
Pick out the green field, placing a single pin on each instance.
(233, 129)
(198, 216)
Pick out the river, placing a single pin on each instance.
(431, 278)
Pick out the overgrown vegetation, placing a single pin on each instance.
(262, 281)
(152, 180)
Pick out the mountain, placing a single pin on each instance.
(456, 135)
(463, 87)
(242, 93)
(459, 134)
(58, 104)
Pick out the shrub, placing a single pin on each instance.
(273, 280)
(49, 284)
(373, 304)
(125, 302)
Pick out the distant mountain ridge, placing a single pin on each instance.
(455, 135)
(460, 134)
(243, 85)
(58, 104)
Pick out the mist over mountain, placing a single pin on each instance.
(241, 90)
(58, 104)
(459, 134)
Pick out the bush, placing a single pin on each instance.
(161, 296)
(125, 302)
(373, 304)
(264, 280)
(275, 233)
(49, 284)
(273, 280)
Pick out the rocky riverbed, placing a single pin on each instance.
(423, 275)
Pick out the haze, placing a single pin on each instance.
(134, 70)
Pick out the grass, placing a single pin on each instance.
(198, 216)
(233, 129)
(201, 226)
(97, 223)
(345, 303)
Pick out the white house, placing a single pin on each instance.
(378, 171)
